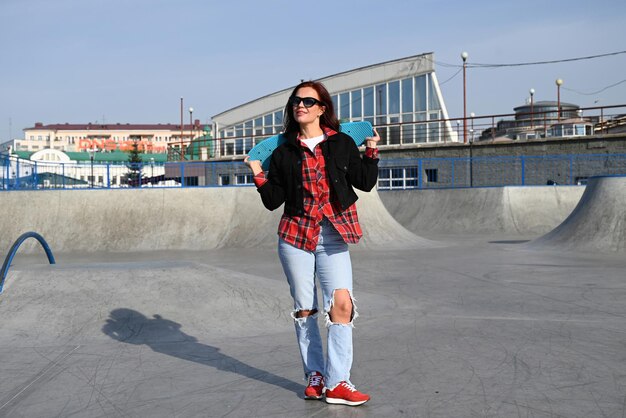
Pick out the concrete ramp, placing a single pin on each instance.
(597, 224)
(519, 211)
(381, 230)
(168, 219)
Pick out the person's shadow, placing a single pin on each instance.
(165, 336)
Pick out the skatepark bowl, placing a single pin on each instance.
(494, 302)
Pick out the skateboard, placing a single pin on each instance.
(262, 151)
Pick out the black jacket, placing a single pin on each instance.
(345, 169)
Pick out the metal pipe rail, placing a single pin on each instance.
(15, 247)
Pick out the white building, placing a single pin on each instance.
(400, 97)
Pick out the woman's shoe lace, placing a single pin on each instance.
(349, 386)
(315, 380)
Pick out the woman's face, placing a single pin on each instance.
(306, 115)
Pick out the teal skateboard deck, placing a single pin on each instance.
(262, 151)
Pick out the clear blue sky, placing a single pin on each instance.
(130, 61)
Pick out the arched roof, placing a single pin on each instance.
(347, 80)
(52, 155)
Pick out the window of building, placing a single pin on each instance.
(224, 179)
(380, 99)
(394, 97)
(278, 119)
(411, 178)
(394, 130)
(247, 141)
(408, 129)
(368, 101)
(243, 179)
(407, 95)
(420, 93)
(431, 175)
(433, 99)
(258, 126)
(398, 178)
(344, 106)
(268, 124)
(384, 175)
(356, 104)
(192, 181)
(434, 130)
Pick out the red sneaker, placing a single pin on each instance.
(315, 386)
(346, 394)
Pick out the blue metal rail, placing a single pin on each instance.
(15, 247)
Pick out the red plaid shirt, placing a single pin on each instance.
(303, 231)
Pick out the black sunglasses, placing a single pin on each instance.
(306, 101)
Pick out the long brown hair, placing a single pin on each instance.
(328, 118)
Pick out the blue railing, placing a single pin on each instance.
(403, 173)
(9, 258)
(433, 173)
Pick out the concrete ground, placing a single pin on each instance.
(474, 325)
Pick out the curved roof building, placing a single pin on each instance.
(400, 97)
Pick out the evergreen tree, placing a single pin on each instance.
(134, 166)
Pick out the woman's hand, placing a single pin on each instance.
(372, 141)
(254, 165)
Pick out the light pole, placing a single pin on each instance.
(182, 149)
(532, 109)
(191, 127)
(92, 153)
(471, 142)
(558, 98)
(472, 115)
(464, 56)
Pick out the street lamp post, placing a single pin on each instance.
(92, 153)
(532, 109)
(471, 142)
(182, 148)
(558, 98)
(464, 56)
(191, 126)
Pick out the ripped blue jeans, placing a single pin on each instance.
(330, 264)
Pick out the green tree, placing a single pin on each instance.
(134, 166)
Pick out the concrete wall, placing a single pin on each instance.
(515, 162)
(194, 219)
(497, 211)
(597, 144)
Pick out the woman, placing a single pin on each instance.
(313, 173)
